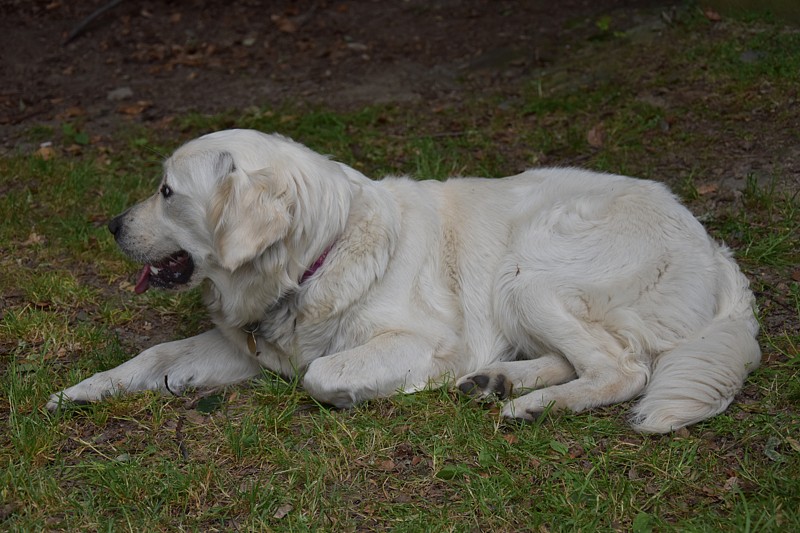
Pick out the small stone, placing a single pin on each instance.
(120, 93)
(751, 56)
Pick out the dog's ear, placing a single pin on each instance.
(248, 213)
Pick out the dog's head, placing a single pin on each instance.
(229, 199)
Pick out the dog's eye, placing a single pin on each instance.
(166, 191)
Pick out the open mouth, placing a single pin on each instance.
(175, 269)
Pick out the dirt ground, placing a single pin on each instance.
(149, 60)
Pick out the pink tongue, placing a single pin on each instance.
(143, 283)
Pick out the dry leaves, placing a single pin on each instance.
(510, 438)
(71, 112)
(45, 151)
(712, 15)
(135, 109)
(34, 238)
(596, 136)
(283, 510)
(284, 24)
(386, 465)
(707, 188)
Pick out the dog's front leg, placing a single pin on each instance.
(206, 360)
(389, 363)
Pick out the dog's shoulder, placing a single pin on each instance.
(359, 256)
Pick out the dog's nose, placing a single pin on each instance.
(115, 225)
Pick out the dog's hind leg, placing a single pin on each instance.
(606, 370)
(502, 380)
(206, 360)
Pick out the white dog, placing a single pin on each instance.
(571, 289)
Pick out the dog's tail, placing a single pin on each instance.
(699, 377)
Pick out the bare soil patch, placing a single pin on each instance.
(147, 60)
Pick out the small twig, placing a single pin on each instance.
(91, 447)
(20, 118)
(179, 439)
(80, 28)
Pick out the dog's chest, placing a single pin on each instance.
(302, 338)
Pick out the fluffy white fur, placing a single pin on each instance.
(562, 287)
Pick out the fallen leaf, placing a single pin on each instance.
(135, 109)
(45, 151)
(283, 510)
(71, 112)
(707, 188)
(386, 465)
(559, 447)
(285, 25)
(793, 443)
(712, 15)
(596, 136)
(576, 451)
(8, 509)
(450, 471)
(731, 484)
(796, 275)
(33, 238)
(770, 449)
(510, 438)
(196, 417)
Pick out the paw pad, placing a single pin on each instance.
(483, 385)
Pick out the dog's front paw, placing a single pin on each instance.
(338, 397)
(320, 385)
(58, 401)
(485, 385)
(89, 390)
(516, 412)
(529, 407)
(63, 400)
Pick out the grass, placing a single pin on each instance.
(263, 456)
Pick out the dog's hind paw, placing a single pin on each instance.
(485, 385)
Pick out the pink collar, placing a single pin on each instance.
(317, 264)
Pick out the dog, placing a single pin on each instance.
(556, 288)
